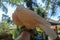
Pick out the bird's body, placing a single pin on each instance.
(31, 20)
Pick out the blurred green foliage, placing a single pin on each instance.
(4, 27)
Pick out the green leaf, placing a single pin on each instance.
(4, 27)
(0, 4)
(4, 8)
(47, 4)
(14, 1)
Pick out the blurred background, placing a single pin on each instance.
(48, 9)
